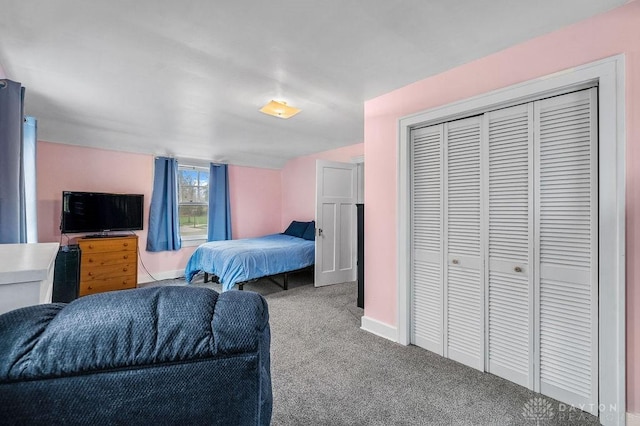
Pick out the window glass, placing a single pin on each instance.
(193, 201)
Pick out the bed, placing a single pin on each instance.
(239, 261)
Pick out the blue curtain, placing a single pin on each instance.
(219, 206)
(164, 225)
(12, 196)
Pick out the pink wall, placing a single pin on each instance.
(256, 196)
(66, 167)
(299, 182)
(603, 36)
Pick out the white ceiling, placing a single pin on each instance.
(186, 78)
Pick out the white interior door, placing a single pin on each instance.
(447, 309)
(427, 239)
(463, 244)
(336, 196)
(510, 199)
(508, 163)
(567, 231)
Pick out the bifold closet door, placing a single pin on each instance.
(567, 251)
(508, 144)
(463, 277)
(505, 244)
(427, 241)
(447, 311)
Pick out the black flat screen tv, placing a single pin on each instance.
(100, 212)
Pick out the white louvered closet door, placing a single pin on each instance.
(463, 281)
(426, 217)
(505, 244)
(508, 162)
(567, 232)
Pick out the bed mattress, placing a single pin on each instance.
(236, 261)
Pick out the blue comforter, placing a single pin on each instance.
(236, 261)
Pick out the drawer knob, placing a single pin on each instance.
(455, 261)
(125, 256)
(125, 244)
(90, 274)
(124, 269)
(90, 246)
(90, 260)
(89, 288)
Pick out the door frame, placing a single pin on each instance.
(608, 74)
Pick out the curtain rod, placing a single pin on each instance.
(194, 160)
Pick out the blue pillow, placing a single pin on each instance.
(296, 229)
(310, 233)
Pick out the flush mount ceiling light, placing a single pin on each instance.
(279, 109)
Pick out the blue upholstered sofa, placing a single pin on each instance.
(166, 355)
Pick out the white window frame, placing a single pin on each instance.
(608, 74)
(193, 240)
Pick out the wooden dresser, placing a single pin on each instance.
(108, 264)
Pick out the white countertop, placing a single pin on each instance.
(26, 262)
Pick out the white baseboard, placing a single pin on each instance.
(379, 328)
(165, 275)
(633, 419)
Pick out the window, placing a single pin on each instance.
(193, 202)
(29, 142)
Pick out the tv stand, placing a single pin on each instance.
(108, 263)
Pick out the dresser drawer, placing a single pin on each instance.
(101, 245)
(111, 284)
(106, 271)
(93, 260)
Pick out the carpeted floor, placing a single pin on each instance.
(327, 371)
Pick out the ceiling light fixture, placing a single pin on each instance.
(279, 109)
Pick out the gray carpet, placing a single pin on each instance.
(327, 371)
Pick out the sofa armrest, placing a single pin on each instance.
(128, 328)
(164, 355)
(239, 321)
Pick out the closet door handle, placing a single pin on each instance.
(319, 232)
(455, 261)
(517, 269)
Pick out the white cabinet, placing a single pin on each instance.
(26, 274)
